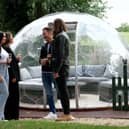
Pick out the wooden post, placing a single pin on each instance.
(114, 92)
(120, 94)
(120, 102)
(125, 84)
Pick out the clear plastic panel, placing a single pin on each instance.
(99, 56)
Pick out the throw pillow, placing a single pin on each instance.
(35, 71)
(24, 73)
(94, 70)
(72, 72)
(108, 72)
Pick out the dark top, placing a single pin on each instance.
(45, 50)
(14, 71)
(61, 54)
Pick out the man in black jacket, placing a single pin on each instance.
(47, 75)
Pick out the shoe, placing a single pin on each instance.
(65, 118)
(2, 118)
(51, 116)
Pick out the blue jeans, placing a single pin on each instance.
(47, 79)
(3, 97)
(3, 89)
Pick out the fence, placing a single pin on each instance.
(120, 90)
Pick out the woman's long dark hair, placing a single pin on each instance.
(59, 26)
(1, 36)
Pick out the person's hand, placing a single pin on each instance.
(44, 61)
(1, 78)
(19, 57)
(56, 75)
(49, 56)
(13, 80)
(9, 60)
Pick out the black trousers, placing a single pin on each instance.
(12, 104)
(63, 93)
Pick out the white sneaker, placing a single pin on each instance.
(51, 116)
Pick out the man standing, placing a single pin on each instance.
(47, 75)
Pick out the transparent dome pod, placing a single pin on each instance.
(93, 44)
(99, 43)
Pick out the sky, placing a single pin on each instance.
(119, 13)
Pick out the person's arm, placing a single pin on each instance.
(1, 78)
(41, 55)
(62, 51)
(43, 60)
(19, 58)
(12, 74)
(3, 61)
(11, 68)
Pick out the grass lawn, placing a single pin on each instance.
(39, 124)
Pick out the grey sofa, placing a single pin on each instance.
(97, 79)
(89, 73)
(88, 76)
(31, 86)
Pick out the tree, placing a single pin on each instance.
(14, 14)
(1, 15)
(124, 27)
(17, 13)
(39, 8)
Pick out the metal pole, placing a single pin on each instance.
(76, 64)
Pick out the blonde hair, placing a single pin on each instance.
(8, 36)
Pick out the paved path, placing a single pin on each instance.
(107, 113)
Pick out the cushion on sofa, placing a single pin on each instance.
(94, 70)
(72, 72)
(88, 79)
(35, 71)
(25, 75)
(108, 71)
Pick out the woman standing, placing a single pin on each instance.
(4, 61)
(12, 104)
(61, 65)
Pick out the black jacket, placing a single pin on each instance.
(61, 54)
(43, 54)
(14, 71)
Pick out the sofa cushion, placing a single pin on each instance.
(72, 72)
(94, 70)
(88, 79)
(25, 75)
(33, 84)
(108, 72)
(35, 71)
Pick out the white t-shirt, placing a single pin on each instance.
(3, 57)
